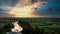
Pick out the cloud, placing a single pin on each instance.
(49, 8)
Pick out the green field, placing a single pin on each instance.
(36, 25)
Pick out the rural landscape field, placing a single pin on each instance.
(32, 25)
(29, 16)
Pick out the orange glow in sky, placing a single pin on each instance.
(25, 8)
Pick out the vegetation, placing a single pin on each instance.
(32, 25)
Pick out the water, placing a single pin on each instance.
(13, 33)
(17, 29)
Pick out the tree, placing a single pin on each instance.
(7, 28)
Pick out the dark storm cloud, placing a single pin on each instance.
(51, 8)
(8, 2)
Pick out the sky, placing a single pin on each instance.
(50, 8)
